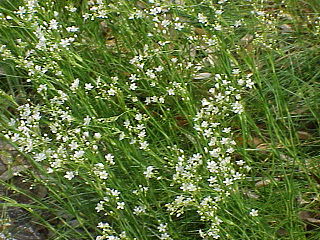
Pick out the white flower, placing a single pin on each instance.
(133, 86)
(72, 29)
(149, 172)
(202, 19)
(133, 77)
(69, 175)
(162, 227)
(112, 92)
(161, 100)
(226, 130)
(103, 174)
(120, 205)
(188, 187)
(75, 84)
(237, 23)
(103, 225)
(171, 92)
(174, 59)
(138, 117)
(159, 69)
(249, 83)
(253, 213)
(78, 154)
(41, 88)
(178, 26)
(142, 134)
(97, 135)
(228, 181)
(165, 23)
(150, 74)
(40, 157)
(155, 10)
(53, 24)
(109, 157)
(88, 86)
(165, 236)
(139, 210)
(240, 162)
(87, 120)
(237, 107)
(144, 145)
(65, 42)
(99, 206)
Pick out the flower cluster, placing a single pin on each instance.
(123, 106)
(96, 9)
(221, 171)
(112, 199)
(163, 230)
(137, 132)
(109, 233)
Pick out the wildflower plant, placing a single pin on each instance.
(132, 110)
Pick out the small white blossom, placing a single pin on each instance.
(97, 135)
(149, 172)
(75, 84)
(138, 117)
(120, 205)
(171, 92)
(139, 210)
(88, 86)
(202, 19)
(110, 159)
(40, 157)
(72, 29)
(99, 206)
(69, 175)
(78, 154)
(133, 86)
(144, 145)
(253, 213)
(53, 24)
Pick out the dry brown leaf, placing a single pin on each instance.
(257, 141)
(6, 146)
(141, 5)
(285, 28)
(251, 194)
(246, 39)
(282, 232)
(304, 135)
(314, 220)
(200, 31)
(41, 191)
(263, 146)
(201, 76)
(2, 72)
(10, 173)
(263, 183)
(3, 227)
(181, 121)
(6, 157)
(299, 111)
(307, 216)
(301, 201)
(111, 42)
(304, 215)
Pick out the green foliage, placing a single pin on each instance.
(164, 119)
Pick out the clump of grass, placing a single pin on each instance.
(163, 119)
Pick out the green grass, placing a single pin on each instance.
(263, 55)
